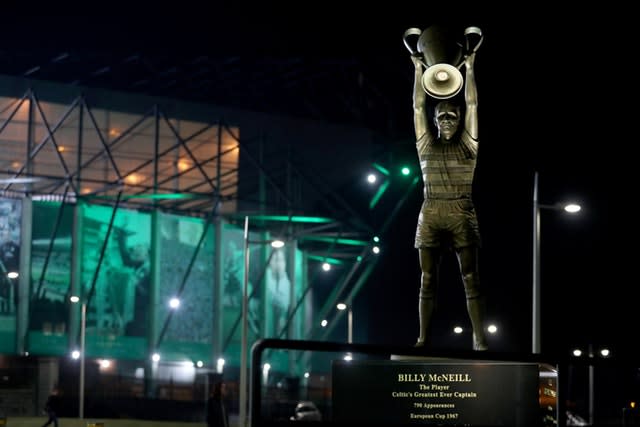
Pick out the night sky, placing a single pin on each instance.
(554, 97)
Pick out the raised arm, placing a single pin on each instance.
(471, 98)
(125, 253)
(420, 121)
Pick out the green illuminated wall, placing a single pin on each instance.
(10, 232)
(50, 278)
(273, 293)
(186, 254)
(116, 281)
(127, 272)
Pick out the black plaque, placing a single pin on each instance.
(435, 393)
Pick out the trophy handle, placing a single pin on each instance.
(469, 49)
(472, 31)
(407, 34)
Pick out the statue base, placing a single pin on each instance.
(409, 390)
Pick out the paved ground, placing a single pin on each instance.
(76, 422)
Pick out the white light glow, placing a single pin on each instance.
(276, 244)
(572, 208)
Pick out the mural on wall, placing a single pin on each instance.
(50, 278)
(186, 269)
(283, 287)
(232, 292)
(119, 288)
(273, 293)
(10, 232)
(117, 281)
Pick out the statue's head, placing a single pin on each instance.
(447, 119)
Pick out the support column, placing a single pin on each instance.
(24, 280)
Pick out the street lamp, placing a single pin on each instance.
(244, 344)
(604, 352)
(570, 208)
(83, 332)
(342, 306)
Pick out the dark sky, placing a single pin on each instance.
(548, 92)
(555, 97)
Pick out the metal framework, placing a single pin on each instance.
(155, 162)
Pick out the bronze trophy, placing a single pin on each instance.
(442, 56)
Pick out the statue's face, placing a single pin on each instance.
(447, 121)
(139, 252)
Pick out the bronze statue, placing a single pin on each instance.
(447, 218)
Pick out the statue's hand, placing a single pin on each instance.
(416, 58)
(469, 60)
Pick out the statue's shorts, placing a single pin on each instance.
(447, 223)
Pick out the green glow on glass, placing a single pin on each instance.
(379, 193)
(338, 240)
(381, 169)
(168, 196)
(328, 260)
(294, 218)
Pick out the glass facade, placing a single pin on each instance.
(131, 265)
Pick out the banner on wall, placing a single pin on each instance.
(118, 280)
(50, 278)
(272, 293)
(10, 233)
(186, 254)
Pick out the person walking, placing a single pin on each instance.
(52, 408)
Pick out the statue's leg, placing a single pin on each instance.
(468, 259)
(475, 308)
(429, 265)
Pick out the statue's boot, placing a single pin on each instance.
(475, 308)
(425, 310)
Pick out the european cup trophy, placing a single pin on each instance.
(442, 55)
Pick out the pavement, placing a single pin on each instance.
(77, 422)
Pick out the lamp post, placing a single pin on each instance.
(244, 338)
(342, 306)
(603, 352)
(83, 332)
(570, 208)
(245, 329)
(350, 326)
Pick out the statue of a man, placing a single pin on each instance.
(447, 219)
